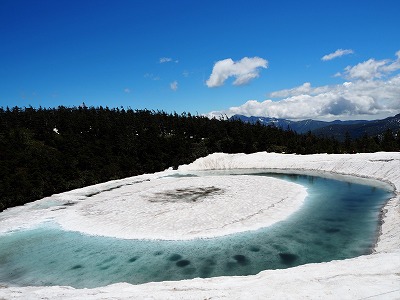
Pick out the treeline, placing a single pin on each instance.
(47, 151)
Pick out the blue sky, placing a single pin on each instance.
(207, 57)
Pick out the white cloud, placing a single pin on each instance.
(366, 70)
(337, 53)
(303, 89)
(371, 91)
(372, 68)
(243, 70)
(350, 100)
(174, 85)
(167, 59)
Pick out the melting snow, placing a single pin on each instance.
(373, 276)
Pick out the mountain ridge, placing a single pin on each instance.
(337, 128)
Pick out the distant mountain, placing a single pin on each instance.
(313, 125)
(303, 126)
(336, 129)
(370, 128)
(281, 123)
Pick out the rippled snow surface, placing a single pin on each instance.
(338, 220)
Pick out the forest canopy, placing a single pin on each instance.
(48, 151)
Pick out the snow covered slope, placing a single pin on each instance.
(373, 276)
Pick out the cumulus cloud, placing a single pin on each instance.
(371, 91)
(337, 53)
(345, 101)
(366, 70)
(243, 70)
(372, 69)
(350, 100)
(174, 85)
(305, 88)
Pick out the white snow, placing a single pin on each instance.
(186, 208)
(165, 208)
(373, 276)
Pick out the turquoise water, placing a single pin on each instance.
(338, 220)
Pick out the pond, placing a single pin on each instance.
(338, 220)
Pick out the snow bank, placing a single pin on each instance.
(374, 276)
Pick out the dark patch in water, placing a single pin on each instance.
(175, 257)
(104, 267)
(158, 253)
(241, 259)
(318, 242)
(334, 219)
(332, 230)
(330, 219)
(207, 268)
(288, 258)
(287, 236)
(254, 248)
(76, 267)
(183, 263)
(133, 259)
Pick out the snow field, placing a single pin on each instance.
(373, 276)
